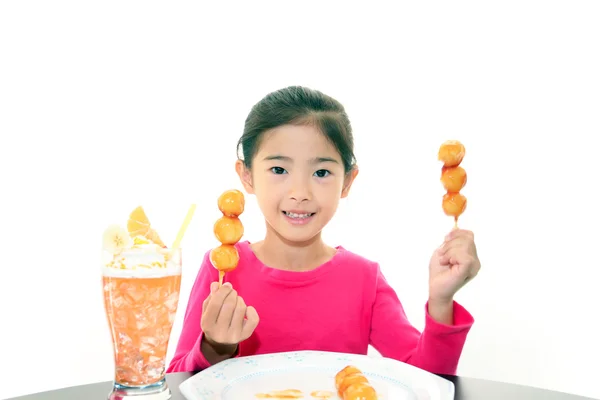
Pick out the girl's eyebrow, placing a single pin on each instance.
(316, 160)
(320, 160)
(277, 157)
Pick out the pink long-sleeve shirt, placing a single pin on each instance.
(343, 306)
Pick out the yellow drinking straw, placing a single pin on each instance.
(186, 222)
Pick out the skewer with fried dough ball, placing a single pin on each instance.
(453, 178)
(228, 230)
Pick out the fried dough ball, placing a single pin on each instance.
(453, 178)
(351, 384)
(231, 203)
(228, 230)
(451, 153)
(360, 391)
(454, 204)
(224, 258)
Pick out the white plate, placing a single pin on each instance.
(244, 378)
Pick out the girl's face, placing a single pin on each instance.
(298, 179)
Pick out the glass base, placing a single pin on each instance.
(156, 391)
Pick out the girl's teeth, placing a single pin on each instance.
(294, 215)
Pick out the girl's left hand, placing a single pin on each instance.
(452, 265)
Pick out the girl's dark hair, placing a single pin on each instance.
(298, 105)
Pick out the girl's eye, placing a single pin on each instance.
(322, 173)
(278, 170)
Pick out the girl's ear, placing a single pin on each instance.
(348, 180)
(245, 176)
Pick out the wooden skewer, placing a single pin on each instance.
(221, 276)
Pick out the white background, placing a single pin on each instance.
(107, 105)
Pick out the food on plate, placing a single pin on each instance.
(281, 394)
(360, 391)
(228, 230)
(351, 384)
(295, 394)
(350, 369)
(321, 394)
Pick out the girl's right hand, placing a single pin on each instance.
(226, 320)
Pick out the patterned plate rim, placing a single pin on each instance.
(215, 382)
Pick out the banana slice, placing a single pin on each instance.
(116, 238)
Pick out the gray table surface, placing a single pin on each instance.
(466, 389)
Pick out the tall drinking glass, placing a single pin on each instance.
(141, 293)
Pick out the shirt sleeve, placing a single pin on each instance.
(188, 355)
(437, 349)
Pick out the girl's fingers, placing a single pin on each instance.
(250, 323)
(237, 321)
(213, 287)
(213, 308)
(227, 308)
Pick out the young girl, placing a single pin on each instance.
(291, 291)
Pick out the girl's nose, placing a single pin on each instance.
(300, 191)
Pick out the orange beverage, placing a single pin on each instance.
(141, 293)
(140, 313)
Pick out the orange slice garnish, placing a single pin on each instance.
(139, 225)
